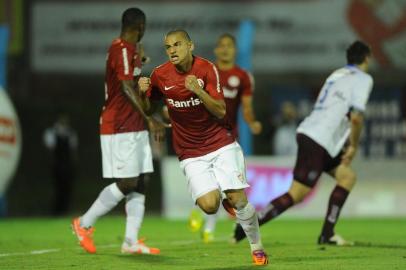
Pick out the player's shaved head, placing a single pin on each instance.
(179, 31)
(226, 35)
(132, 18)
(357, 52)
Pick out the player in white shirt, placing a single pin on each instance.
(328, 141)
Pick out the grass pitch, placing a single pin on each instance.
(49, 244)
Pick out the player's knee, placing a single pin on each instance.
(347, 179)
(209, 204)
(237, 199)
(298, 191)
(127, 186)
(210, 208)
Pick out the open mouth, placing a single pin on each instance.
(174, 58)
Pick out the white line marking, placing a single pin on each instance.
(54, 250)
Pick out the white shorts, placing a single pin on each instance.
(223, 169)
(126, 155)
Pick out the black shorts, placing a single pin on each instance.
(312, 159)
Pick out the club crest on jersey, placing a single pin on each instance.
(200, 82)
(137, 71)
(233, 81)
(184, 103)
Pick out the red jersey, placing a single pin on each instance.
(119, 115)
(196, 132)
(235, 82)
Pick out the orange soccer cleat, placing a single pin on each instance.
(259, 257)
(85, 236)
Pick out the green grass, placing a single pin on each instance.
(290, 243)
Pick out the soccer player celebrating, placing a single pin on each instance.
(327, 142)
(126, 153)
(210, 158)
(237, 85)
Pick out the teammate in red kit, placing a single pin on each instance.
(237, 85)
(210, 158)
(126, 153)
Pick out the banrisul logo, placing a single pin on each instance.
(193, 101)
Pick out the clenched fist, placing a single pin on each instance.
(192, 84)
(143, 84)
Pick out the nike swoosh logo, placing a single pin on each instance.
(170, 87)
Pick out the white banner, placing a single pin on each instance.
(10, 141)
(290, 36)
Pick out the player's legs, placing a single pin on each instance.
(309, 165)
(297, 192)
(346, 178)
(209, 227)
(229, 172)
(246, 217)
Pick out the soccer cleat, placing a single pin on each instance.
(239, 233)
(335, 240)
(207, 237)
(227, 206)
(85, 236)
(259, 257)
(195, 220)
(138, 248)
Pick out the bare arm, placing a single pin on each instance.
(217, 107)
(357, 122)
(249, 117)
(144, 107)
(129, 89)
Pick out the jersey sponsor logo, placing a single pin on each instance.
(230, 93)
(184, 103)
(168, 87)
(233, 81)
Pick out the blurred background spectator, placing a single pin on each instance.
(62, 142)
(284, 140)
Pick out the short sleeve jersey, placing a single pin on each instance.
(328, 124)
(196, 132)
(119, 115)
(235, 83)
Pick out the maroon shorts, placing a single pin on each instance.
(312, 159)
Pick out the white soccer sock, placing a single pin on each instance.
(108, 198)
(135, 208)
(247, 217)
(210, 224)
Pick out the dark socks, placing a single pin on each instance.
(275, 208)
(336, 202)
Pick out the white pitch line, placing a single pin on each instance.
(54, 250)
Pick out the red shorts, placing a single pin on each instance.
(312, 159)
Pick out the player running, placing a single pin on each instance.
(210, 158)
(237, 85)
(126, 153)
(328, 141)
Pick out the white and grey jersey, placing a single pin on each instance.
(328, 124)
